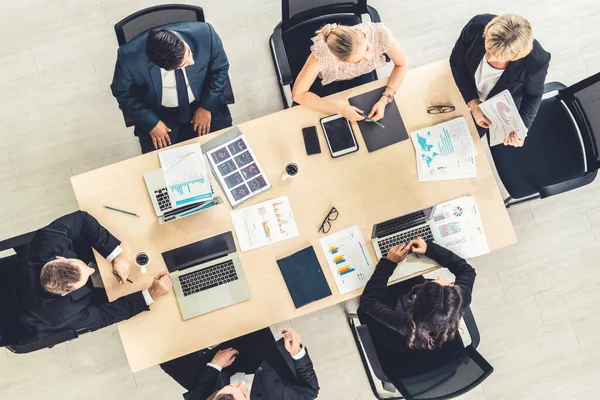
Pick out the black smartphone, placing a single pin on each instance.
(311, 140)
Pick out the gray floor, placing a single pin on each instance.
(534, 302)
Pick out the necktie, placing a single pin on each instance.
(183, 100)
(237, 378)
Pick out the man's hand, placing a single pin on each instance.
(398, 253)
(478, 115)
(160, 135)
(292, 341)
(201, 121)
(122, 267)
(161, 285)
(514, 140)
(378, 110)
(224, 358)
(418, 245)
(351, 113)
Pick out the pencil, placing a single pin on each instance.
(123, 211)
(372, 120)
(117, 275)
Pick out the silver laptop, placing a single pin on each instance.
(207, 275)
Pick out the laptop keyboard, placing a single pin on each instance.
(397, 224)
(387, 243)
(163, 199)
(207, 278)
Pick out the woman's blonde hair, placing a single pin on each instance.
(508, 37)
(340, 39)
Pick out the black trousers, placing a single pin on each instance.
(340, 86)
(180, 132)
(253, 348)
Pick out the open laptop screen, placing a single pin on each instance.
(199, 252)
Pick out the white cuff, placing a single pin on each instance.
(147, 297)
(118, 250)
(300, 354)
(215, 366)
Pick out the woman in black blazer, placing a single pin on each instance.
(408, 320)
(494, 53)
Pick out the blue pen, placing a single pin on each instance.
(123, 211)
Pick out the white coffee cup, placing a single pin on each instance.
(290, 171)
(142, 259)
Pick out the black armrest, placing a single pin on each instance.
(279, 54)
(472, 327)
(373, 14)
(18, 243)
(46, 342)
(568, 185)
(228, 93)
(552, 86)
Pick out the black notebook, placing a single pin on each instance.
(304, 277)
(376, 137)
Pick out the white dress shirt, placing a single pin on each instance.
(118, 250)
(486, 78)
(169, 88)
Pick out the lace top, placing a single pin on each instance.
(332, 69)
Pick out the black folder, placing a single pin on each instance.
(304, 277)
(376, 137)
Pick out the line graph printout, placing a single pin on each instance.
(186, 175)
(504, 116)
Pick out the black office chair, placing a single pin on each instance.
(152, 17)
(454, 378)
(9, 338)
(561, 151)
(291, 39)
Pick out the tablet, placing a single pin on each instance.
(339, 135)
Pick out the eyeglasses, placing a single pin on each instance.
(443, 109)
(331, 216)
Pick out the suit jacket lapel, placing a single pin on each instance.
(156, 82)
(512, 70)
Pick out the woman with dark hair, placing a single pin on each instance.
(414, 324)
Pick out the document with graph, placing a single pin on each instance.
(504, 116)
(186, 175)
(264, 223)
(457, 226)
(348, 259)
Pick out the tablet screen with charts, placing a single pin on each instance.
(339, 135)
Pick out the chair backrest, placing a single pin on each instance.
(583, 100)
(151, 17)
(297, 11)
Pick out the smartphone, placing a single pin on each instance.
(339, 135)
(311, 140)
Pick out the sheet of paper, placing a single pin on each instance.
(457, 226)
(186, 175)
(348, 259)
(264, 223)
(445, 143)
(461, 169)
(504, 116)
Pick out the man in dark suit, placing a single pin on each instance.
(255, 369)
(494, 53)
(52, 280)
(170, 82)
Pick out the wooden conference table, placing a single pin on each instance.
(365, 187)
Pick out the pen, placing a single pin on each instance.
(372, 120)
(118, 277)
(123, 211)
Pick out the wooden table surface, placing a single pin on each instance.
(365, 187)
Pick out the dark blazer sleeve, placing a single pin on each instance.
(458, 62)
(307, 383)
(464, 273)
(533, 90)
(82, 225)
(124, 88)
(216, 76)
(372, 300)
(102, 315)
(206, 385)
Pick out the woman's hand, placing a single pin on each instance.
(514, 140)
(478, 115)
(398, 253)
(418, 245)
(378, 110)
(351, 113)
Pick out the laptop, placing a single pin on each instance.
(157, 189)
(402, 229)
(207, 275)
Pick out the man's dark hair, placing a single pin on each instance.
(165, 49)
(59, 276)
(224, 397)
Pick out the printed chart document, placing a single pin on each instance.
(348, 259)
(186, 175)
(265, 223)
(504, 116)
(445, 151)
(457, 226)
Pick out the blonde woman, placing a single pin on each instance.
(341, 53)
(494, 53)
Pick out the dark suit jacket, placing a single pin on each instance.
(524, 78)
(46, 312)
(267, 384)
(137, 83)
(383, 309)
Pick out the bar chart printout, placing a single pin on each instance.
(348, 259)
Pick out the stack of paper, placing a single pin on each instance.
(457, 226)
(445, 151)
(186, 175)
(504, 117)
